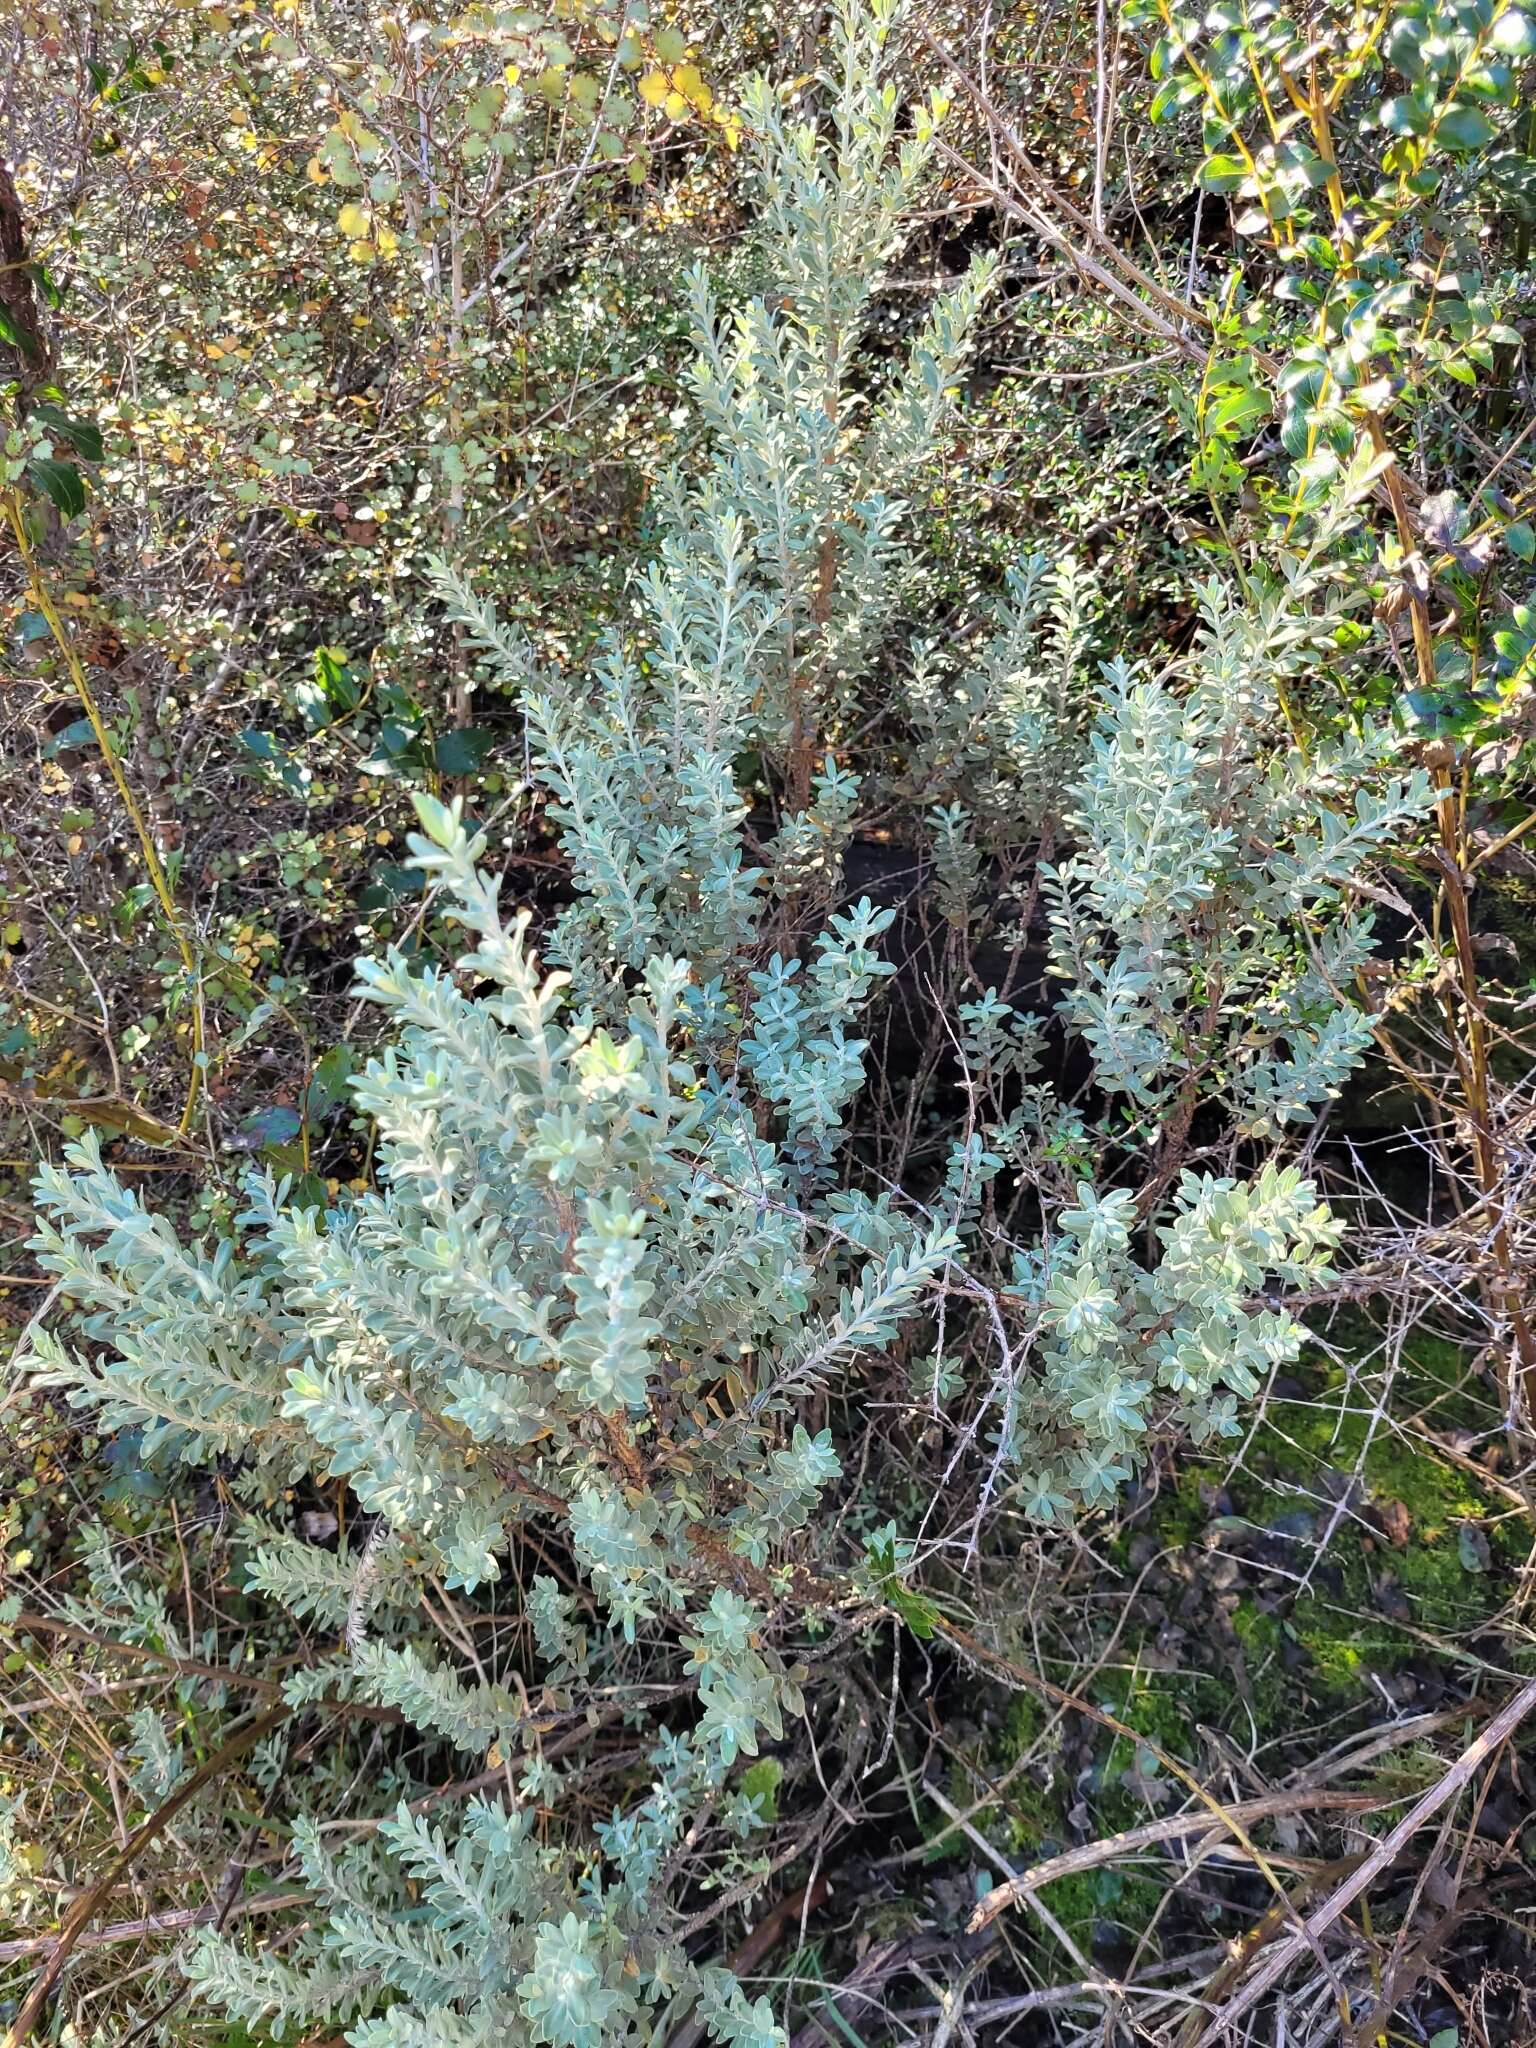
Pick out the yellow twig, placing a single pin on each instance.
(42, 599)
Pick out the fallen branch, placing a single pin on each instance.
(1177, 1827)
(174, 1922)
(80, 1913)
(1380, 1858)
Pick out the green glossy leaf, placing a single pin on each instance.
(61, 482)
(1515, 34)
(461, 752)
(761, 1783)
(276, 1124)
(1464, 128)
(328, 1082)
(52, 293)
(1223, 173)
(1404, 47)
(83, 436)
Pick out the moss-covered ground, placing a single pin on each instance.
(1356, 1557)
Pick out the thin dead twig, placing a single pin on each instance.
(174, 1922)
(1176, 1827)
(1381, 1858)
(79, 1914)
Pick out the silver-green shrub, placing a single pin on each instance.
(620, 1242)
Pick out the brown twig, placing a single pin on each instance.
(192, 1667)
(1380, 1858)
(759, 1944)
(80, 1913)
(1176, 1827)
(174, 1922)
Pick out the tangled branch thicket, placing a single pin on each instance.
(873, 1379)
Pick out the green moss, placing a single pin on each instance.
(1436, 1381)
(1271, 1689)
(1030, 1820)
(1183, 1512)
(1302, 1443)
(1345, 1620)
(1176, 1517)
(1392, 1584)
(1023, 1724)
(1094, 1907)
(1027, 1814)
(1097, 1905)
(1160, 1709)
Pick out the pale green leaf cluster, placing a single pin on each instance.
(1202, 925)
(484, 1930)
(617, 1242)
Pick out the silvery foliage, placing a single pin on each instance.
(578, 1239)
(778, 574)
(16, 1872)
(503, 1938)
(1200, 925)
(1117, 1339)
(577, 1235)
(1204, 931)
(609, 1256)
(608, 1253)
(1000, 734)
